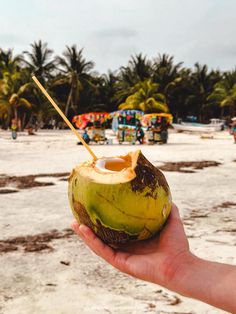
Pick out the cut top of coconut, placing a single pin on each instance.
(110, 170)
(112, 164)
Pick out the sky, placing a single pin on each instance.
(111, 31)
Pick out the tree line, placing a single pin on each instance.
(156, 85)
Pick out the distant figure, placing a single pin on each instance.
(30, 129)
(164, 130)
(123, 134)
(86, 137)
(157, 123)
(14, 129)
(140, 134)
(115, 124)
(233, 129)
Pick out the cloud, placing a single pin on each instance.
(123, 33)
(11, 40)
(112, 30)
(111, 47)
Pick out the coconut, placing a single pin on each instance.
(122, 199)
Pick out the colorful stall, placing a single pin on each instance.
(81, 121)
(125, 123)
(94, 123)
(157, 125)
(125, 118)
(146, 119)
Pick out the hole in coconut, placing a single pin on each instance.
(113, 164)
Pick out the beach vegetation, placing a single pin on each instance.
(152, 85)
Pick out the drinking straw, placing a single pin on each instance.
(43, 90)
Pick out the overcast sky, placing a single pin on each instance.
(112, 30)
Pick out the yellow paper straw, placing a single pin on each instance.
(43, 90)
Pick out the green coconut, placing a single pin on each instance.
(121, 199)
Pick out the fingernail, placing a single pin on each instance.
(74, 225)
(84, 230)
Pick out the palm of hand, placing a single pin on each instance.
(154, 260)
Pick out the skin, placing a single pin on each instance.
(234, 132)
(167, 261)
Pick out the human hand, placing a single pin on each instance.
(167, 261)
(159, 260)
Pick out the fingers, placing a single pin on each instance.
(93, 242)
(175, 212)
(174, 225)
(113, 257)
(174, 218)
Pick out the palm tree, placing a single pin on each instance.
(8, 62)
(4, 113)
(14, 104)
(140, 68)
(224, 93)
(39, 60)
(146, 97)
(137, 70)
(76, 74)
(10, 71)
(20, 104)
(11, 84)
(107, 88)
(165, 72)
(178, 92)
(202, 84)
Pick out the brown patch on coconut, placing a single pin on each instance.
(115, 237)
(148, 175)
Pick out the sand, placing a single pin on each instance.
(45, 271)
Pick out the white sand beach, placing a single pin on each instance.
(54, 272)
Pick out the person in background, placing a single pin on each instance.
(14, 129)
(139, 132)
(166, 260)
(233, 129)
(164, 130)
(157, 122)
(86, 137)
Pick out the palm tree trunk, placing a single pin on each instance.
(7, 122)
(23, 122)
(16, 116)
(222, 112)
(68, 102)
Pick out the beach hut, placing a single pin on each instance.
(81, 121)
(94, 123)
(123, 118)
(157, 126)
(124, 124)
(148, 118)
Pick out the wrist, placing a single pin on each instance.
(177, 268)
(188, 275)
(210, 282)
(192, 278)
